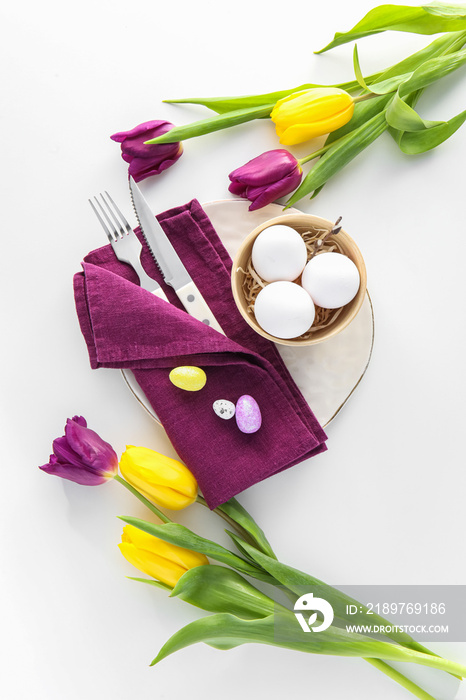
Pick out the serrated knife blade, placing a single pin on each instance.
(174, 272)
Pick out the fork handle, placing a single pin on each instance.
(159, 293)
(147, 282)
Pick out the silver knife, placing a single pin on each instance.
(174, 272)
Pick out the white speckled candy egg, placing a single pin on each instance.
(224, 409)
(284, 309)
(279, 253)
(332, 280)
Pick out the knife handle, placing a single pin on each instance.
(196, 306)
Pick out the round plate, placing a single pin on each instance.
(326, 373)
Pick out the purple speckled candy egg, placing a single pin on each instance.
(248, 414)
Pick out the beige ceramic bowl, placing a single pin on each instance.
(301, 223)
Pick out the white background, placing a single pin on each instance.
(384, 505)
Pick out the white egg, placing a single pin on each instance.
(279, 253)
(284, 309)
(332, 280)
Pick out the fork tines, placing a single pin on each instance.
(113, 222)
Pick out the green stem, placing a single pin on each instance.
(400, 678)
(365, 96)
(241, 531)
(320, 152)
(216, 123)
(143, 499)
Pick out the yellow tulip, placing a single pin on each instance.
(310, 113)
(160, 479)
(163, 561)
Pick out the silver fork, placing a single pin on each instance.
(124, 241)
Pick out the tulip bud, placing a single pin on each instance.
(310, 113)
(147, 159)
(81, 455)
(161, 479)
(266, 178)
(163, 561)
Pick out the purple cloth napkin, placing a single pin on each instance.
(127, 327)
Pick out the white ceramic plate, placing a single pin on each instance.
(326, 373)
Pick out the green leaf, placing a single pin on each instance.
(229, 104)
(339, 155)
(183, 537)
(240, 515)
(357, 69)
(219, 589)
(237, 539)
(207, 126)
(444, 10)
(384, 87)
(401, 116)
(429, 19)
(225, 631)
(424, 67)
(298, 581)
(152, 582)
(412, 133)
(316, 192)
(414, 142)
(432, 70)
(439, 47)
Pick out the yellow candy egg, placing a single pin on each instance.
(188, 378)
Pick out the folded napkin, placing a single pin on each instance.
(128, 327)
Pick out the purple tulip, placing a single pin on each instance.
(266, 178)
(147, 159)
(81, 455)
